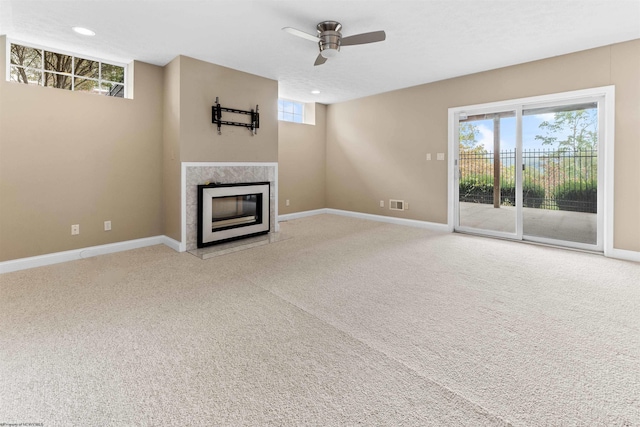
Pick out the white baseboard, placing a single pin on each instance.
(173, 244)
(302, 214)
(392, 220)
(623, 255)
(58, 257)
(380, 218)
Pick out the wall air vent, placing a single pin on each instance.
(396, 205)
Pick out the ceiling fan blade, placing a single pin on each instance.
(320, 60)
(299, 33)
(364, 38)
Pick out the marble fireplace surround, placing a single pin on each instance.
(194, 174)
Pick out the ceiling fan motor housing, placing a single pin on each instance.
(329, 34)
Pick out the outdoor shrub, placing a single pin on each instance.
(533, 195)
(577, 196)
(508, 195)
(478, 189)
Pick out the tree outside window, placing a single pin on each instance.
(52, 69)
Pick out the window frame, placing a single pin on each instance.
(605, 96)
(281, 113)
(43, 71)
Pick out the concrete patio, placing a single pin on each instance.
(560, 225)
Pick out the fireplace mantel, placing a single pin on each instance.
(198, 173)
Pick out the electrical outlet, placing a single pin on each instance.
(428, 156)
(107, 226)
(406, 206)
(440, 156)
(75, 229)
(382, 203)
(286, 202)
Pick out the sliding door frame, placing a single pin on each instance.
(492, 109)
(606, 123)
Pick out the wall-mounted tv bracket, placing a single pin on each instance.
(216, 113)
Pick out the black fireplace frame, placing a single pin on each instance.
(259, 208)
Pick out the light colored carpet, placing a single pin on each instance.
(348, 322)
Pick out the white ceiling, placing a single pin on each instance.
(427, 40)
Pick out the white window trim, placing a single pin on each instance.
(128, 90)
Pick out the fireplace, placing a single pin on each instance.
(232, 211)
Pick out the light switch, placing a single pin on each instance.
(440, 156)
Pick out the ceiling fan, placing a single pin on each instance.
(329, 39)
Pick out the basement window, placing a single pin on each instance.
(290, 111)
(43, 67)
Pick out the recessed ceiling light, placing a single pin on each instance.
(315, 92)
(84, 31)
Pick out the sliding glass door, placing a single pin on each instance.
(486, 166)
(530, 171)
(560, 172)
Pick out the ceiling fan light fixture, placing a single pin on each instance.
(329, 39)
(329, 52)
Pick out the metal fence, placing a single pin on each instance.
(556, 180)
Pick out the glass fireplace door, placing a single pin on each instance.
(233, 211)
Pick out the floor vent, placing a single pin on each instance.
(396, 205)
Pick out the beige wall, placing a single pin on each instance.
(301, 164)
(625, 74)
(200, 83)
(75, 158)
(376, 146)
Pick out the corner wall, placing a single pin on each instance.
(301, 164)
(76, 158)
(171, 150)
(376, 146)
